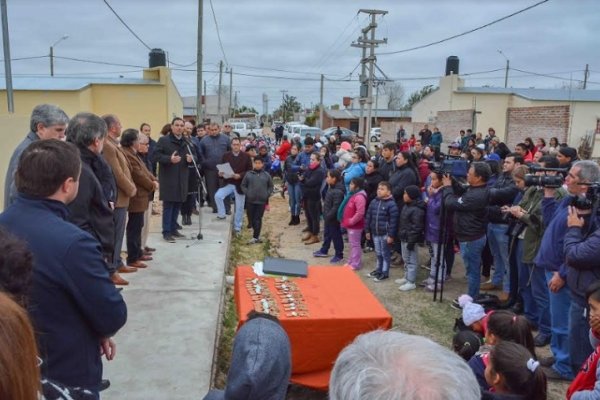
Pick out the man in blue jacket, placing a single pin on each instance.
(74, 306)
(567, 345)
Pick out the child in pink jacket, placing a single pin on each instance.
(353, 219)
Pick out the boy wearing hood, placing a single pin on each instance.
(381, 226)
(260, 362)
(257, 185)
(410, 232)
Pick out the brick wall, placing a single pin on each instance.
(536, 122)
(451, 122)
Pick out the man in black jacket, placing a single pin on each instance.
(91, 210)
(173, 157)
(470, 219)
(502, 193)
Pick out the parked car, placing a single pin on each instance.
(310, 131)
(347, 134)
(375, 135)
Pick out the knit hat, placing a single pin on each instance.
(413, 192)
(345, 146)
(494, 157)
(568, 152)
(472, 312)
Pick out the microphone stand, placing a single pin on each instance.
(201, 186)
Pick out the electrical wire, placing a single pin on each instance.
(464, 33)
(98, 62)
(26, 58)
(326, 53)
(218, 32)
(126, 26)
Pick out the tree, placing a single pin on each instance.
(395, 93)
(288, 107)
(417, 96)
(245, 109)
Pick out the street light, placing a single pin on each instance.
(507, 68)
(64, 37)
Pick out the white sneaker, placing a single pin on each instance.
(425, 282)
(400, 281)
(407, 286)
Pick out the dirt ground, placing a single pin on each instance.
(413, 312)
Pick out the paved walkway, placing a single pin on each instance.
(166, 349)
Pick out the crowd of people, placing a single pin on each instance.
(77, 188)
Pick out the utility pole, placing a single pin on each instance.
(507, 68)
(371, 43)
(321, 104)
(7, 66)
(220, 92)
(363, 80)
(283, 92)
(585, 76)
(376, 104)
(230, 91)
(199, 110)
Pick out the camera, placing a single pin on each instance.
(588, 201)
(547, 181)
(454, 166)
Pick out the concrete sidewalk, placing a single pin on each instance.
(166, 349)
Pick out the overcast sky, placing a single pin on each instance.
(311, 37)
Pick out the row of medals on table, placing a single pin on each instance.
(287, 298)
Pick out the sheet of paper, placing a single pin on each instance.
(226, 170)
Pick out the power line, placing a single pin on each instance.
(464, 33)
(26, 58)
(98, 62)
(326, 53)
(126, 26)
(218, 32)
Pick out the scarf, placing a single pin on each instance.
(340, 211)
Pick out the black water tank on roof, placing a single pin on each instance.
(452, 65)
(157, 58)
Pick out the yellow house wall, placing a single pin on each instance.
(14, 129)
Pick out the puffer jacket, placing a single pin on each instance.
(354, 212)
(333, 199)
(582, 257)
(354, 170)
(433, 219)
(291, 169)
(382, 217)
(311, 184)
(412, 222)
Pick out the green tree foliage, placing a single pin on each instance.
(417, 96)
(287, 108)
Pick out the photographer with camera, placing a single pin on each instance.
(569, 355)
(528, 213)
(582, 251)
(470, 219)
(502, 193)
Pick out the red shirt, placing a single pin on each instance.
(283, 150)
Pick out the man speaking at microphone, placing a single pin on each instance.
(173, 157)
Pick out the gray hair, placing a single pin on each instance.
(143, 138)
(387, 365)
(110, 120)
(47, 115)
(589, 171)
(84, 128)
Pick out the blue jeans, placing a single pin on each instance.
(498, 241)
(524, 269)
(560, 303)
(333, 233)
(579, 342)
(539, 291)
(169, 217)
(220, 196)
(295, 196)
(471, 255)
(410, 262)
(383, 252)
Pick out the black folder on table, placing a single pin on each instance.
(284, 266)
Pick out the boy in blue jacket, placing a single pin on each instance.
(381, 227)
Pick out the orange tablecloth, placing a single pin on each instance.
(340, 308)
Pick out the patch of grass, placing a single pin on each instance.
(240, 253)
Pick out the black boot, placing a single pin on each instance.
(292, 219)
(296, 220)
